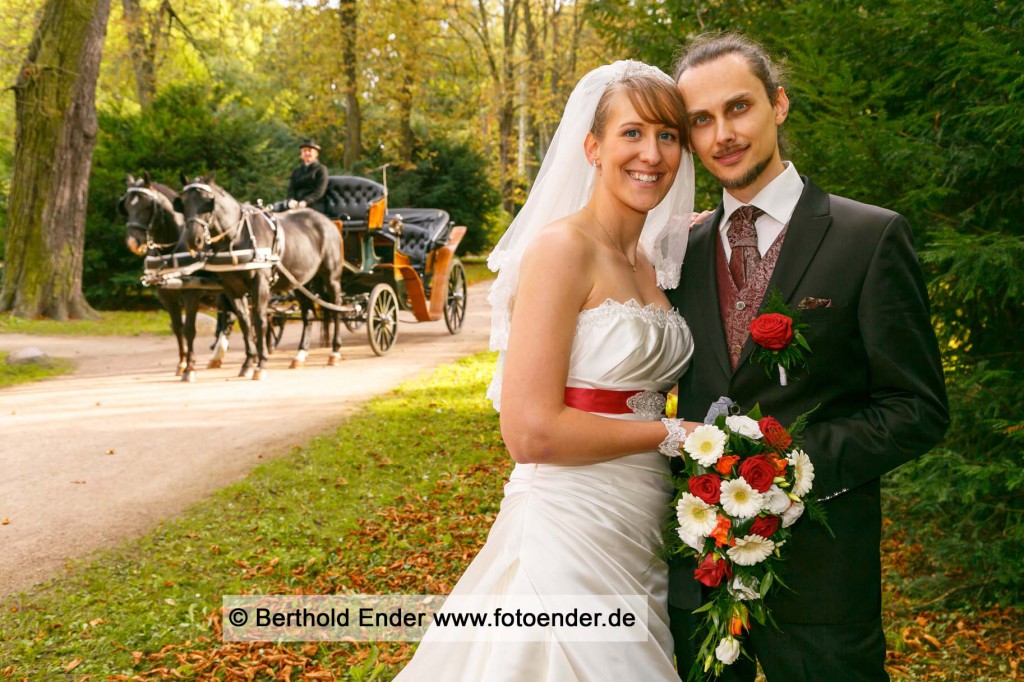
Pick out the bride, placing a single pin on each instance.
(588, 340)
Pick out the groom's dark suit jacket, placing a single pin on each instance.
(874, 371)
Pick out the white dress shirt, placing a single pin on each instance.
(778, 200)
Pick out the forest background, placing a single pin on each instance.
(914, 106)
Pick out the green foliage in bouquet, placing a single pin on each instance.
(746, 483)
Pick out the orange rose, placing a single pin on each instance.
(740, 621)
(725, 464)
(721, 532)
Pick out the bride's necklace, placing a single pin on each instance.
(632, 263)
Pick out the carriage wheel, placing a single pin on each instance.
(455, 298)
(354, 325)
(382, 318)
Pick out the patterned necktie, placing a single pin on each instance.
(742, 237)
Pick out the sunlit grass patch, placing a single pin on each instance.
(110, 323)
(20, 374)
(477, 270)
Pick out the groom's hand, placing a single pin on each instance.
(697, 218)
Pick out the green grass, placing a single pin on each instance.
(110, 323)
(477, 271)
(20, 374)
(288, 525)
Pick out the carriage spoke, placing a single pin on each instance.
(455, 301)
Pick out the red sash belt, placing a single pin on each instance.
(599, 400)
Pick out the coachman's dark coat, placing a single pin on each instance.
(309, 183)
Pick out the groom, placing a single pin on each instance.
(874, 370)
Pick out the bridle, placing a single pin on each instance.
(147, 228)
(208, 238)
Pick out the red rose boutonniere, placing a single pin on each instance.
(778, 333)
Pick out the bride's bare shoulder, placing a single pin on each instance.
(566, 242)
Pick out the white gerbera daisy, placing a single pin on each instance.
(705, 445)
(750, 550)
(745, 426)
(696, 517)
(803, 472)
(740, 500)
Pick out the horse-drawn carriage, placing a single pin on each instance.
(402, 259)
(356, 263)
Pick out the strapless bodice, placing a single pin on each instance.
(624, 346)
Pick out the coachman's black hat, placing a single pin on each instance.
(311, 143)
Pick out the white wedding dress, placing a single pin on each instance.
(581, 530)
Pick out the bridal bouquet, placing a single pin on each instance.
(747, 483)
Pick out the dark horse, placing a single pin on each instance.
(247, 245)
(154, 229)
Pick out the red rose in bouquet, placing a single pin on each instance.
(765, 526)
(773, 331)
(707, 487)
(739, 471)
(759, 472)
(712, 571)
(775, 434)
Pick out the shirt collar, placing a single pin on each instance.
(777, 199)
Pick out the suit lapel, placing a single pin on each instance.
(804, 234)
(704, 245)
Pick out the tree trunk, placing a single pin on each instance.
(55, 110)
(143, 49)
(353, 118)
(411, 65)
(507, 106)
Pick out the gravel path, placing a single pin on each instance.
(104, 454)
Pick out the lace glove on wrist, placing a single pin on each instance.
(671, 446)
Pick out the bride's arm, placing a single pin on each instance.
(556, 278)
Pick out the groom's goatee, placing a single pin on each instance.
(749, 177)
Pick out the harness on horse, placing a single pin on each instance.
(255, 258)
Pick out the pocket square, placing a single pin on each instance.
(811, 303)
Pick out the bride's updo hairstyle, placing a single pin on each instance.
(656, 100)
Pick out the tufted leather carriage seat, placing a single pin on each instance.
(348, 199)
(423, 230)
